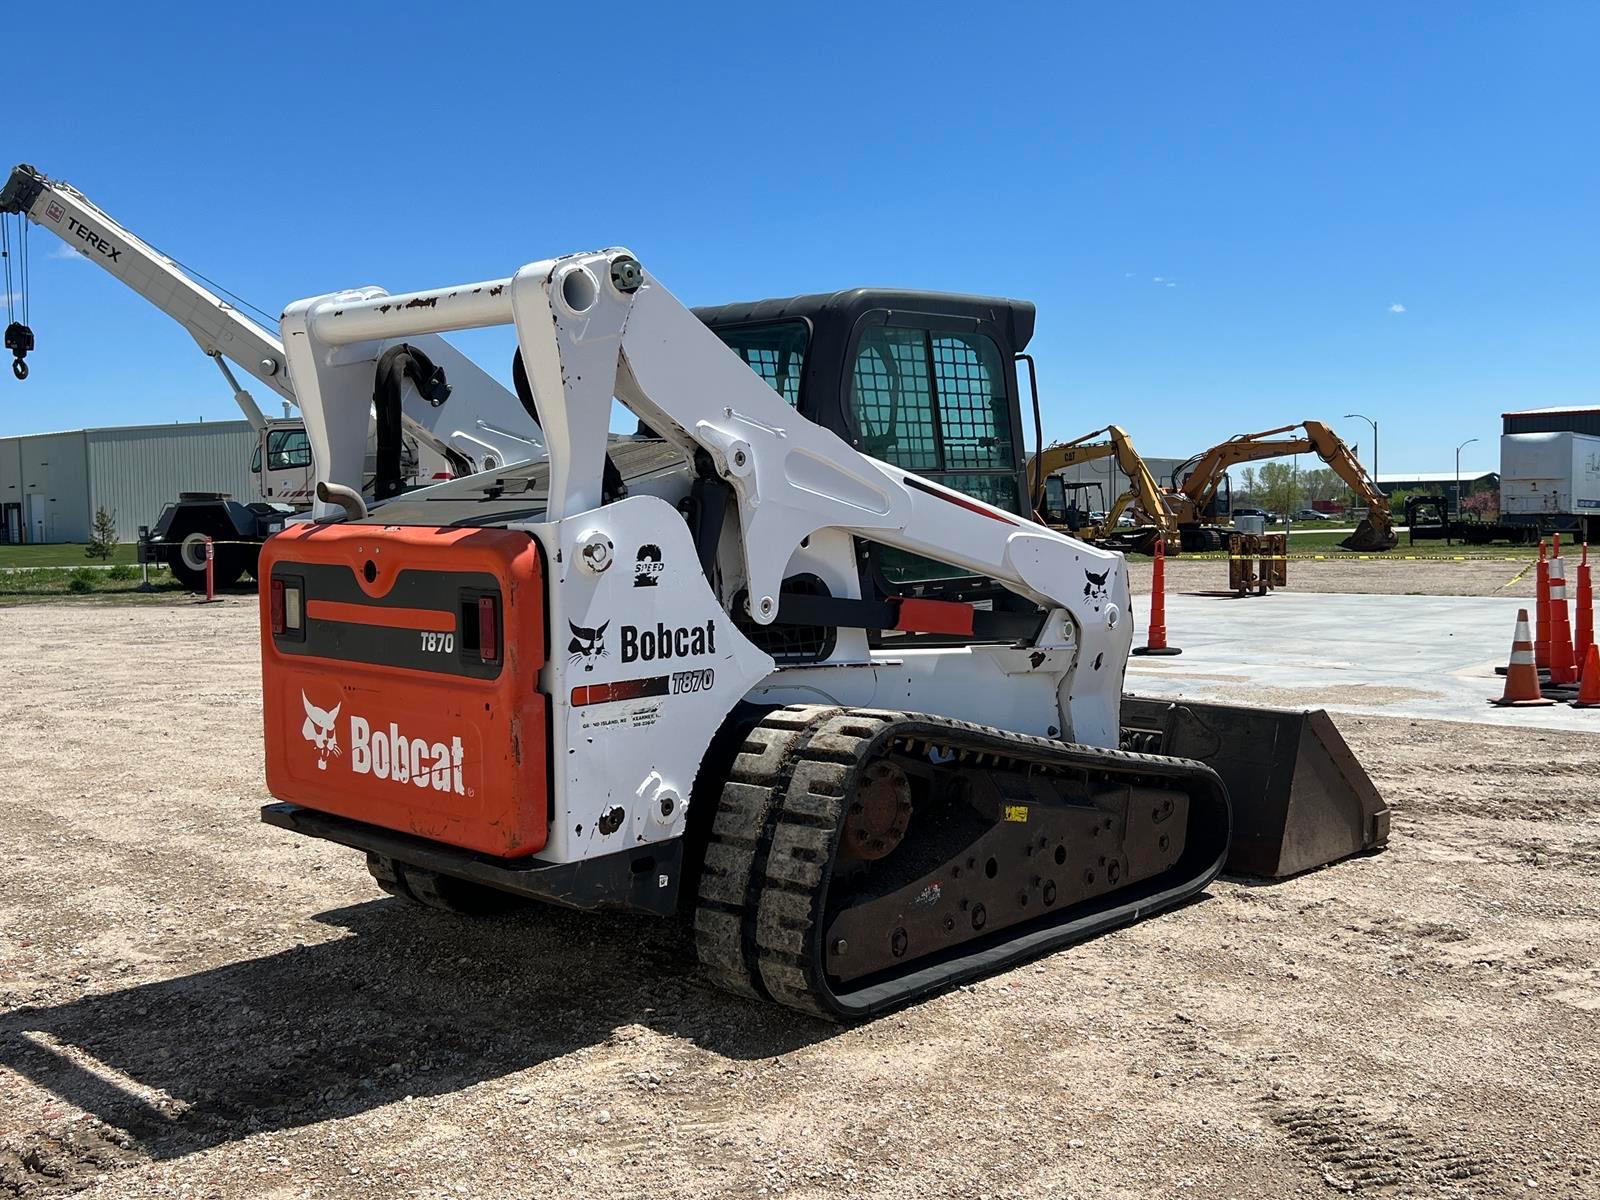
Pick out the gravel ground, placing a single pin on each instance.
(1423, 577)
(194, 1003)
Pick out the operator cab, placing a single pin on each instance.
(924, 380)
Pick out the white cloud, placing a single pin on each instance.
(1127, 274)
(1170, 283)
(1161, 279)
(64, 252)
(1397, 308)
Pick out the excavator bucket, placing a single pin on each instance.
(1367, 537)
(1300, 799)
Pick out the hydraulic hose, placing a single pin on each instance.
(395, 366)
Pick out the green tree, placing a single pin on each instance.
(103, 540)
(1280, 488)
(1321, 484)
(1248, 484)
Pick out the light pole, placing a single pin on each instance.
(1374, 425)
(1468, 442)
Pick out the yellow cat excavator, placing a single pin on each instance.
(1054, 508)
(1192, 498)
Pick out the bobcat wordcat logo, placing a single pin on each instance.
(386, 753)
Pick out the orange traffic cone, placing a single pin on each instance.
(1589, 689)
(1522, 677)
(1563, 670)
(1156, 641)
(1583, 619)
(1541, 611)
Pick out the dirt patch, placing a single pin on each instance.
(1431, 577)
(1353, 694)
(192, 1000)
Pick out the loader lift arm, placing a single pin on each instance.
(1195, 483)
(1143, 493)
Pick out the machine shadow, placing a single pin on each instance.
(415, 1003)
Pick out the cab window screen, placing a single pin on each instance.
(974, 411)
(936, 403)
(893, 398)
(776, 352)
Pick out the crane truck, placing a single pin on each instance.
(775, 667)
(1197, 495)
(417, 434)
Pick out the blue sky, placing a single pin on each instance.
(1219, 210)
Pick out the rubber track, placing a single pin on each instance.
(725, 916)
(769, 859)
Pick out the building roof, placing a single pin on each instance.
(231, 423)
(1467, 476)
(1545, 412)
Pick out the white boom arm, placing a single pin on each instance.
(482, 420)
(594, 326)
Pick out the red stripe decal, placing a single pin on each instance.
(983, 510)
(432, 620)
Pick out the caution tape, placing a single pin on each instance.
(1520, 575)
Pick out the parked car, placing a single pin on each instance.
(1311, 514)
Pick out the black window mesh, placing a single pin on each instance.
(892, 398)
(777, 353)
(973, 410)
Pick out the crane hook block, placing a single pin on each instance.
(19, 340)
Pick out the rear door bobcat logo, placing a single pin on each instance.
(587, 645)
(319, 730)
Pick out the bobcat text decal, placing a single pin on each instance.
(386, 753)
(668, 641)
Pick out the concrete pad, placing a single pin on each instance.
(1415, 656)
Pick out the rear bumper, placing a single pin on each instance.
(644, 880)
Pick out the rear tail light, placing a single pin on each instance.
(288, 608)
(488, 628)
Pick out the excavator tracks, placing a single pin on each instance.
(860, 858)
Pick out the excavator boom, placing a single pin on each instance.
(1143, 493)
(1198, 488)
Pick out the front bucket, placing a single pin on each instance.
(1368, 538)
(1300, 799)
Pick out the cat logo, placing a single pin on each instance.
(587, 645)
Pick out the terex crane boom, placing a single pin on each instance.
(1049, 499)
(707, 691)
(483, 425)
(1193, 494)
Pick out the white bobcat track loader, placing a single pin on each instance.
(863, 724)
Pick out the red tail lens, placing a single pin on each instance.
(488, 628)
(277, 606)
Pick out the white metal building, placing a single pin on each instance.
(51, 484)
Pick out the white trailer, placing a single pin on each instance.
(1551, 480)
